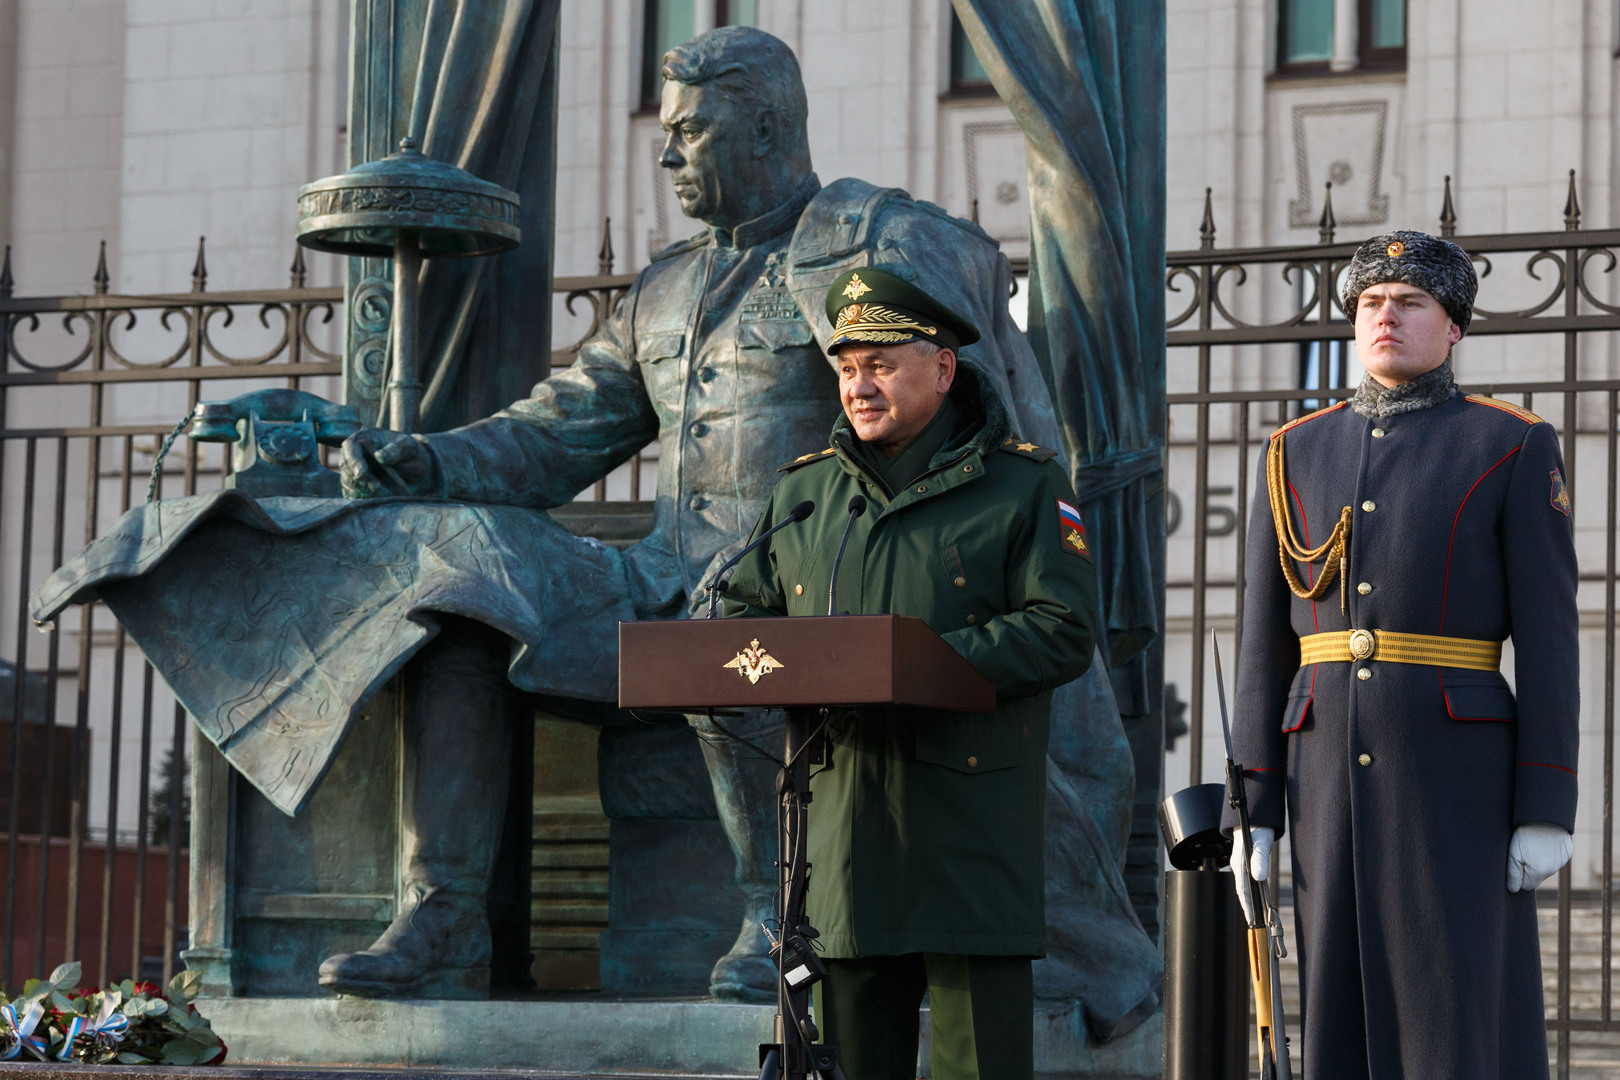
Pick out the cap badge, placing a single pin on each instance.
(754, 662)
(856, 287)
(1395, 250)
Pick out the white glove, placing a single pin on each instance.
(1258, 864)
(1536, 852)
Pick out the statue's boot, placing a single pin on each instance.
(745, 794)
(438, 945)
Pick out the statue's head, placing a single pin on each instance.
(734, 111)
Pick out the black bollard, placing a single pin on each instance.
(1206, 958)
(1206, 978)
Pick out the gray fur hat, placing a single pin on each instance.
(1438, 267)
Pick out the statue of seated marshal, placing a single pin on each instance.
(717, 351)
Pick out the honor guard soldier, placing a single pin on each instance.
(925, 836)
(1404, 535)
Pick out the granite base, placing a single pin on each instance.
(589, 1037)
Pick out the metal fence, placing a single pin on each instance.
(1257, 336)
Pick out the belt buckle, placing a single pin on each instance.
(1362, 644)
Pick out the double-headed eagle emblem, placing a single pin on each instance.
(754, 662)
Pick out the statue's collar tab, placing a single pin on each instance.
(771, 223)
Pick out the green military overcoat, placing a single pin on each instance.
(926, 826)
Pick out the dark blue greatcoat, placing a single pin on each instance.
(1402, 788)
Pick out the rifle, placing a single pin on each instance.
(1266, 948)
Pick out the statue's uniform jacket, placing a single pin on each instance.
(926, 827)
(714, 352)
(1402, 788)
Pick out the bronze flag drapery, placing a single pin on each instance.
(1085, 79)
(475, 84)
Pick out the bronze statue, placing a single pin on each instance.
(716, 351)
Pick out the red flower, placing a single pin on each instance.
(219, 1058)
(150, 990)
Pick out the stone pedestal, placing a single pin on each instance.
(597, 1038)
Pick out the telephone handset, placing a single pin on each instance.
(275, 433)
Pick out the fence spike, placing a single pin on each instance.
(1206, 230)
(297, 268)
(1448, 213)
(1572, 207)
(199, 270)
(102, 278)
(1326, 226)
(604, 255)
(6, 280)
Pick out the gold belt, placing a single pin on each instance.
(1386, 645)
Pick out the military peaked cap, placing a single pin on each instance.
(1438, 267)
(880, 308)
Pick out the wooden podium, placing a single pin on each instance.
(690, 665)
(804, 665)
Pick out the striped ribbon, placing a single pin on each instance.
(1394, 648)
(19, 1034)
(106, 1022)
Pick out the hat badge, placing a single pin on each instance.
(856, 287)
(1395, 249)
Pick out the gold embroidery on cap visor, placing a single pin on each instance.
(877, 324)
(1394, 250)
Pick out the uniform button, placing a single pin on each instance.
(697, 502)
(922, 489)
(972, 619)
(1365, 759)
(960, 582)
(967, 468)
(1378, 433)
(1364, 674)
(699, 429)
(798, 590)
(706, 374)
(1369, 506)
(973, 762)
(1364, 588)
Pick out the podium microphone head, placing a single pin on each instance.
(857, 506)
(802, 511)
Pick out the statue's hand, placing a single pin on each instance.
(377, 462)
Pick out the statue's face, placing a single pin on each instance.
(708, 152)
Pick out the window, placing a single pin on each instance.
(1308, 36)
(668, 23)
(967, 74)
(736, 13)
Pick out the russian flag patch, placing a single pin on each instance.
(1072, 530)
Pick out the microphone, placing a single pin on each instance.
(857, 507)
(716, 583)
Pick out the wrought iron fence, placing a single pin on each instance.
(1257, 336)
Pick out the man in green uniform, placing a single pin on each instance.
(925, 833)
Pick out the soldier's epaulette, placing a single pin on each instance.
(679, 246)
(1308, 416)
(1506, 406)
(1013, 445)
(805, 459)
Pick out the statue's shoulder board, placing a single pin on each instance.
(680, 247)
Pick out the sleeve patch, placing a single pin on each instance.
(1560, 493)
(1072, 530)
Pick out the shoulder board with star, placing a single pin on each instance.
(1023, 448)
(1292, 424)
(805, 459)
(679, 247)
(1506, 406)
